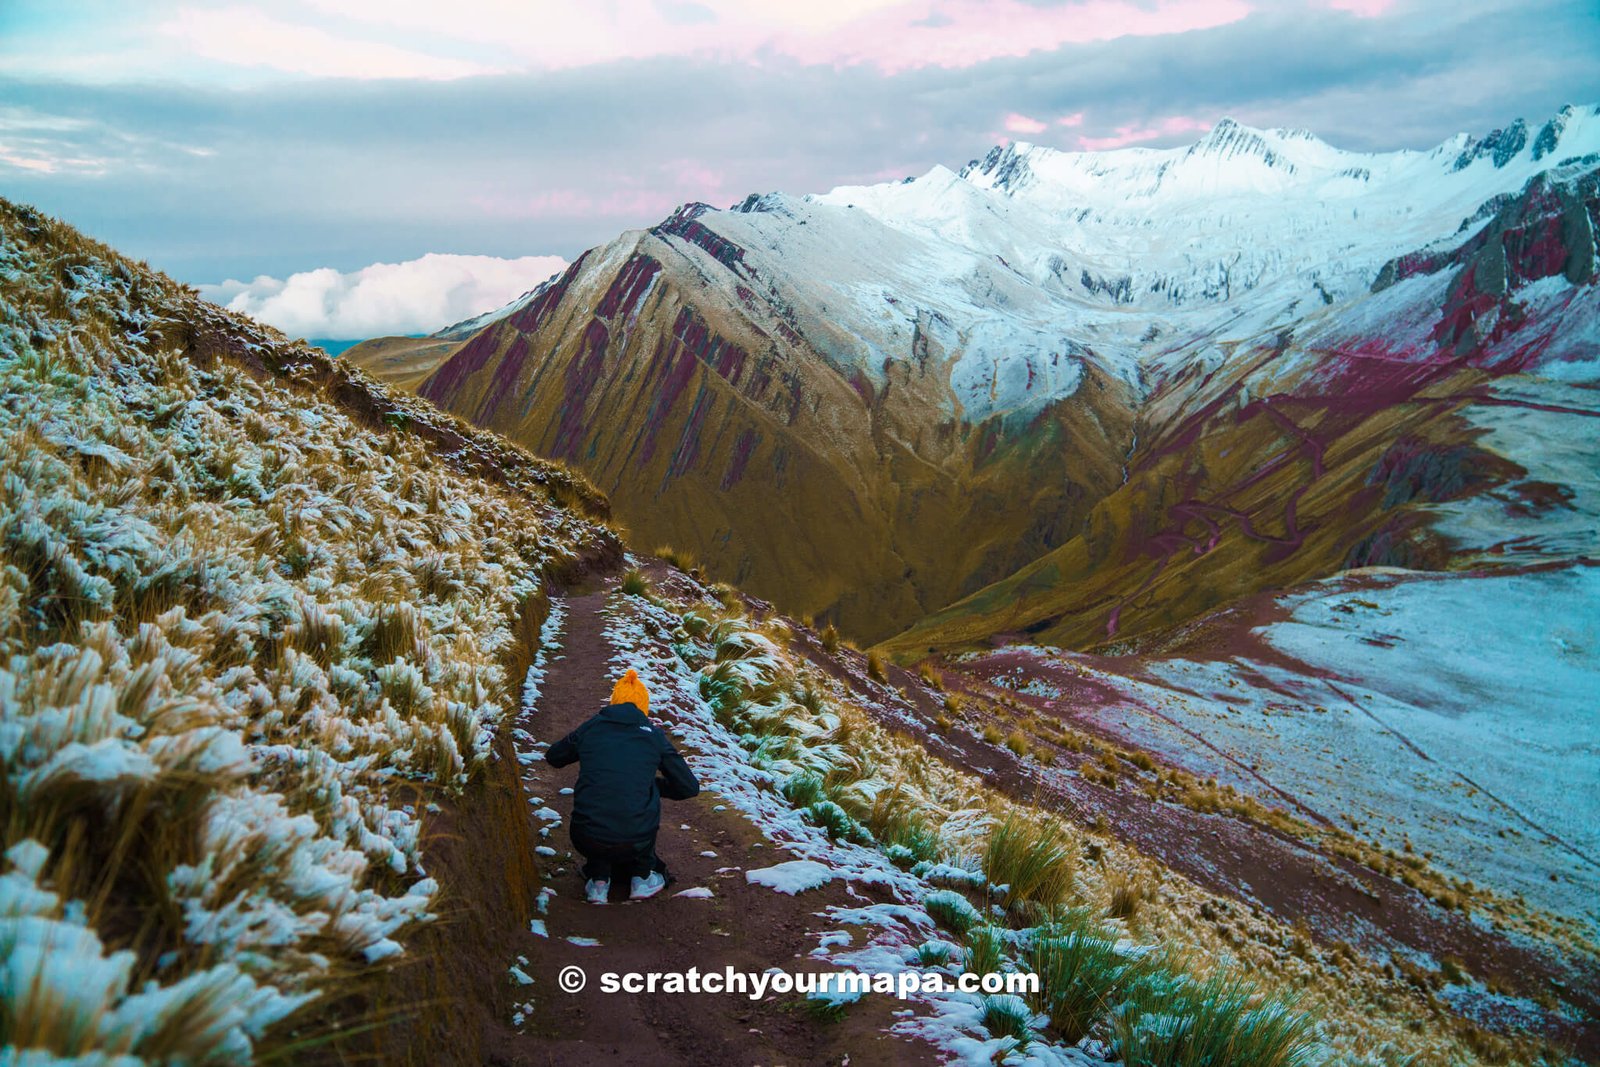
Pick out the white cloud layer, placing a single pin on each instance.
(417, 296)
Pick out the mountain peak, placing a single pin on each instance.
(1006, 166)
(1229, 139)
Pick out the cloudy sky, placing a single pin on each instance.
(350, 167)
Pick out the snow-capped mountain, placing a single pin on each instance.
(1023, 257)
(1241, 231)
(870, 402)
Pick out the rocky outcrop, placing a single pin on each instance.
(1546, 231)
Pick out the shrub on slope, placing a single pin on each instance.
(241, 621)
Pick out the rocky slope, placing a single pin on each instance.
(1051, 367)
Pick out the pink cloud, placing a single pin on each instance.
(246, 37)
(971, 31)
(1016, 123)
(647, 198)
(891, 174)
(1365, 9)
(424, 39)
(579, 203)
(1134, 133)
(1074, 119)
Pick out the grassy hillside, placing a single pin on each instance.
(252, 624)
(401, 362)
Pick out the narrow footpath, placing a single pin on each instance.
(708, 846)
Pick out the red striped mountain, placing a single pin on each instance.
(1084, 396)
(691, 379)
(1446, 420)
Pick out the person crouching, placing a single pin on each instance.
(625, 766)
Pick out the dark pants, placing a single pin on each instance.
(635, 858)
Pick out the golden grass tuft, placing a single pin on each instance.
(1033, 858)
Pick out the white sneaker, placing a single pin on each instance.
(596, 892)
(648, 886)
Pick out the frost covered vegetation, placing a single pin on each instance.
(1127, 973)
(251, 622)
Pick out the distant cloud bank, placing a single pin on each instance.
(263, 137)
(417, 296)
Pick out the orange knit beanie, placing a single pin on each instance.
(630, 690)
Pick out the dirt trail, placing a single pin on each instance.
(750, 928)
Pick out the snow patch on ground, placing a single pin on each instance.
(1453, 711)
(549, 646)
(795, 876)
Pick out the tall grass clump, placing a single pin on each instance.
(985, 949)
(680, 559)
(951, 910)
(1032, 858)
(1082, 976)
(838, 823)
(1007, 1015)
(803, 789)
(899, 824)
(830, 639)
(877, 667)
(1177, 1020)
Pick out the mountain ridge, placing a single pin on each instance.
(971, 328)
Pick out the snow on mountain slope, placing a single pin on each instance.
(868, 293)
(1245, 230)
(1240, 209)
(1390, 704)
(871, 403)
(1434, 730)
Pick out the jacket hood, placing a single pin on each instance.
(624, 712)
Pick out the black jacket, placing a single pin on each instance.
(620, 754)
